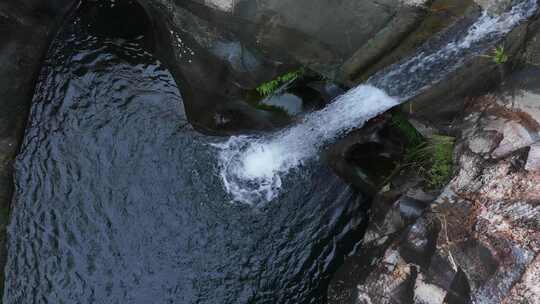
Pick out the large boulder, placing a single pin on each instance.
(219, 50)
(322, 34)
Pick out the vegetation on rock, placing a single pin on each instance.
(431, 157)
(273, 85)
(498, 55)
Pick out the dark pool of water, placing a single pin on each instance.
(118, 198)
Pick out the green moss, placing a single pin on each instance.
(268, 88)
(441, 148)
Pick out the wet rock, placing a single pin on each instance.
(410, 208)
(322, 24)
(391, 221)
(365, 158)
(25, 29)
(333, 38)
(479, 241)
(224, 5)
(442, 105)
(533, 158)
(494, 6)
(428, 23)
(214, 67)
(46, 8)
(459, 291)
(418, 246)
(218, 50)
(291, 103)
(382, 43)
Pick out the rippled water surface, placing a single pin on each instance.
(119, 199)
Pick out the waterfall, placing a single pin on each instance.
(252, 167)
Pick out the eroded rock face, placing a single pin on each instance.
(494, 6)
(321, 33)
(508, 120)
(219, 49)
(333, 38)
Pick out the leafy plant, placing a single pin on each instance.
(273, 85)
(499, 55)
(268, 88)
(441, 163)
(413, 137)
(431, 157)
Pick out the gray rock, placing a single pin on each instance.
(479, 241)
(443, 104)
(533, 159)
(411, 209)
(494, 7)
(333, 38)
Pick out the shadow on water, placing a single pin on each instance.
(119, 200)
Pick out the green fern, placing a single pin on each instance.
(272, 86)
(268, 88)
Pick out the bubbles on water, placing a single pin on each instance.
(252, 167)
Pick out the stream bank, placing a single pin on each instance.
(478, 240)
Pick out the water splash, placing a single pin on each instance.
(252, 167)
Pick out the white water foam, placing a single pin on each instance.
(252, 167)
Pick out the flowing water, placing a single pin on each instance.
(252, 168)
(119, 200)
